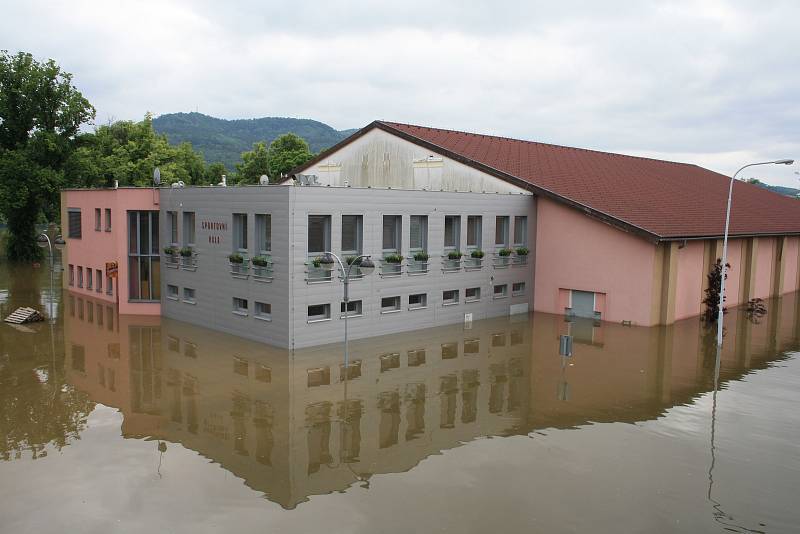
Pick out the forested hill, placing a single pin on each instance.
(224, 140)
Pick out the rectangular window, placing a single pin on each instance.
(144, 261)
(354, 308)
(189, 295)
(263, 311)
(263, 373)
(80, 276)
(108, 219)
(417, 301)
(319, 233)
(97, 219)
(390, 304)
(389, 361)
(188, 228)
(321, 376)
(99, 280)
(449, 351)
(418, 235)
(500, 291)
(263, 233)
(499, 340)
(351, 372)
(89, 278)
(74, 223)
(472, 294)
(501, 231)
(241, 366)
(450, 297)
(109, 285)
(240, 232)
(172, 222)
(239, 306)
(452, 232)
(352, 232)
(520, 230)
(391, 233)
(474, 231)
(472, 346)
(71, 279)
(416, 357)
(319, 312)
(172, 292)
(518, 288)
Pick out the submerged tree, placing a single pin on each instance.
(712, 292)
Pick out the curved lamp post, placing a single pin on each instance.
(725, 239)
(367, 266)
(43, 240)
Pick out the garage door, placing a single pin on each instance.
(582, 303)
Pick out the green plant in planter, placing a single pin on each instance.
(350, 260)
(186, 252)
(454, 255)
(170, 251)
(477, 254)
(317, 262)
(236, 258)
(522, 251)
(505, 252)
(393, 258)
(421, 256)
(260, 261)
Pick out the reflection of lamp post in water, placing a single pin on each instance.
(44, 241)
(565, 351)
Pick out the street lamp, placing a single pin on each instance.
(43, 240)
(366, 266)
(725, 239)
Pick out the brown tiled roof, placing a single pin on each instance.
(661, 199)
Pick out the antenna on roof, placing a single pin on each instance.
(157, 177)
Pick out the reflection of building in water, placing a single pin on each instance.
(290, 425)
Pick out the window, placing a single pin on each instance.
(80, 276)
(144, 265)
(319, 233)
(263, 311)
(472, 294)
(172, 223)
(449, 351)
(99, 280)
(241, 366)
(319, 312)
(188, 228)
(174, 344)
(239, 306)
(352, 371)
(108, 219)
(389, 361)
(263, 233)
(263, 373)
(352, 234)
(452, 232)
(390, 304)
(74, 223)
(240, 232)
(354, 308)
(321, 376)
(417, 301)
(89, 278)
(520, 230)
(391, 233)
(472, 346)
(189, 295)
(109, 285)
(450, 297)
(474, 231)
(97, 219)
(518, 288)
(416, 357)
(499, 340)
(71, 275)
(500, 291)
(501, 231)
(418, 235)
(172, 292)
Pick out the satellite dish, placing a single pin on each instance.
(157, 176)
(264, 180)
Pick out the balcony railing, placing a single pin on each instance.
(520, 260)
(319, 274)
(263, 273)
(389, 269)
(415, 267)
(501, 262)
(473, 264)
(189, 263)
(240, 270)
(451, 265)
(172, 261)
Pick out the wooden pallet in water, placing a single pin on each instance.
(24, 315)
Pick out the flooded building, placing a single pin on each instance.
(461, 226)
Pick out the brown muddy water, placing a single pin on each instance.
(133, 424)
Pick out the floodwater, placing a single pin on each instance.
(133, 424)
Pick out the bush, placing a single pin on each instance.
(350, 260)
(522, 251)
(712, 292)
(170, 251)
(505, 252)
(186, 252)
(421, 256)
(260, 261)
(393, 258)
(317, 262)
(477, 254)
(236, 258)
(454, 255)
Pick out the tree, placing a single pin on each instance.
(711, 299)
(285, 153)
(255, 163)
(214, 172)
(41, 113)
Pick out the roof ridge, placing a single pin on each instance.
(504, 138)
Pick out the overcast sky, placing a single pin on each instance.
(713, 83)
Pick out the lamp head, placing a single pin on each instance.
(366, 265)
(59, 243)
(327, 258)
(784, 162)
(42, 240)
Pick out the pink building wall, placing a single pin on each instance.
(95, 248)
(689, 280)
(764, 267)
(736, 260)
(574, 251)
(790, 252)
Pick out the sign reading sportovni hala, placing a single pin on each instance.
(214, 226)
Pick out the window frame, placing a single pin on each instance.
(395, 307)
(477, 231)
(423, 301)
(318, 318)
(189, 299)
(456, 232)
(240, 306)
(108, 219)
(326, 233)
(502, 223)
(173, 295)
(357, 311)
(451, 301)
(98, 219)
(422, 221)
(504, 291)
(189, 220)
(74, 224)
(239, 232)
(397, 237)
(259, 313)
(263, 222)
(524, 226)
(475, 298)
(516, 292)
(151, 257)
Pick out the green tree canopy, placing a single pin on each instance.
(41, 113)
(255, 163)
(285, 153)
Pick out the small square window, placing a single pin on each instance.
(263, 311)
(240, 366)
(320, 376)
(390, 304)
(472, 346)
(416, 357)
(449, 351)
(190, 350)
(499, 340)
(390, 361)
(174, 344)
(354, 308)
(263, 374)
(417, 301)
(501, 291)
(189, 295)
(319, 312)
(352, 371)
(518, 288)
(516, 337)
(450, 297)
(472, 294)
(240, 306)
(172, 292)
